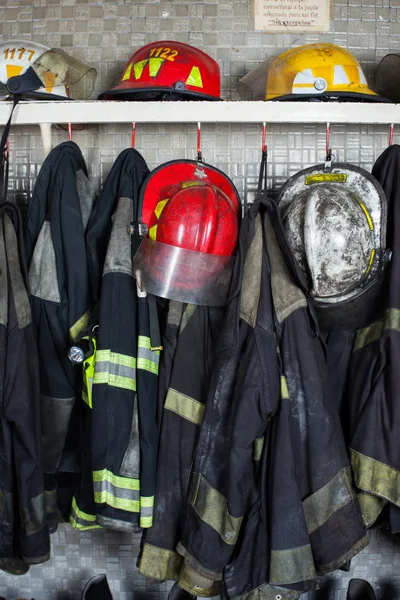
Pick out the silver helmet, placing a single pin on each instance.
(335, 223)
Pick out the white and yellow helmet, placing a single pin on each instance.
(313, 71)
(34, 70)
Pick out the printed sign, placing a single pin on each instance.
(292, 16)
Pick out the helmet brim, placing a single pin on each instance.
(331, 97)
(173, 174)
(154, 94)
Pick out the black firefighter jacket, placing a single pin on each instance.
(189, 341)
(61, 303)
(24, 536)
(270, 504)
(374, 381)
(117, 488)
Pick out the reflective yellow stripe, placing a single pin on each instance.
(138, 68)
(116, 358)
(153, 233)
(81, 514)
(159, 563)
(147, 359)
(81, 520)
(371, 260)
(155, 65)
(114, 369)
(147, 501)
(322, 504)
(292, 565)
(184, 406)
(127, 73)
(105, 497)
(79, 327)
(284, 388)
(160, 207)
(370, 223)
(77, 525)
(146, 522)
(121, 482)
(337, 177)
(115, 380)
(258, 446)
(212, 508)
(194, 78)
(390, 321)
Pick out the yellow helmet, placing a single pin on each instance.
(323, 71)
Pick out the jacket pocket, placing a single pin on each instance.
(43, 281)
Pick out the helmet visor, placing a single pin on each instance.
(183, 275)
(56, 69)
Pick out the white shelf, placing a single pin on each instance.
(34, 113)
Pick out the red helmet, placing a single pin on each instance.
(167, 70)
(191, 211)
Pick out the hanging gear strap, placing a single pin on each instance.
(262, 178)
(4, 154)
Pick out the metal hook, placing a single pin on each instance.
(199, 154)
(70, 132)
(391, 133)
(264, 138)
(328, 155)
(133, 134)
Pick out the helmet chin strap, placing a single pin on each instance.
(4, 166)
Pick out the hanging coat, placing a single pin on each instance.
(117, 490)
(61, 303)
(270, 382)
(373, 395)
(24, 536)
(189, 345)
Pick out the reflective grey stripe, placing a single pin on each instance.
(86, 195)
(149, 355)
(251, 281)
(212, 508)
(117, 492)
(187, 315)
(21, 300)
(146, 511)
(51, 501)
(118, 258)
(287, 296)
(174, 313)
(115, 369)
(33, 516)
(321, 505)
(43, 280)
(3, 281)
(293, 565)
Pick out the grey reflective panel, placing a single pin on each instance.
(43, 281)
(118, 259)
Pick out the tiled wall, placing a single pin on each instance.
(105, 34)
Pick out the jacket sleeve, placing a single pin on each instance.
(21, 412)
